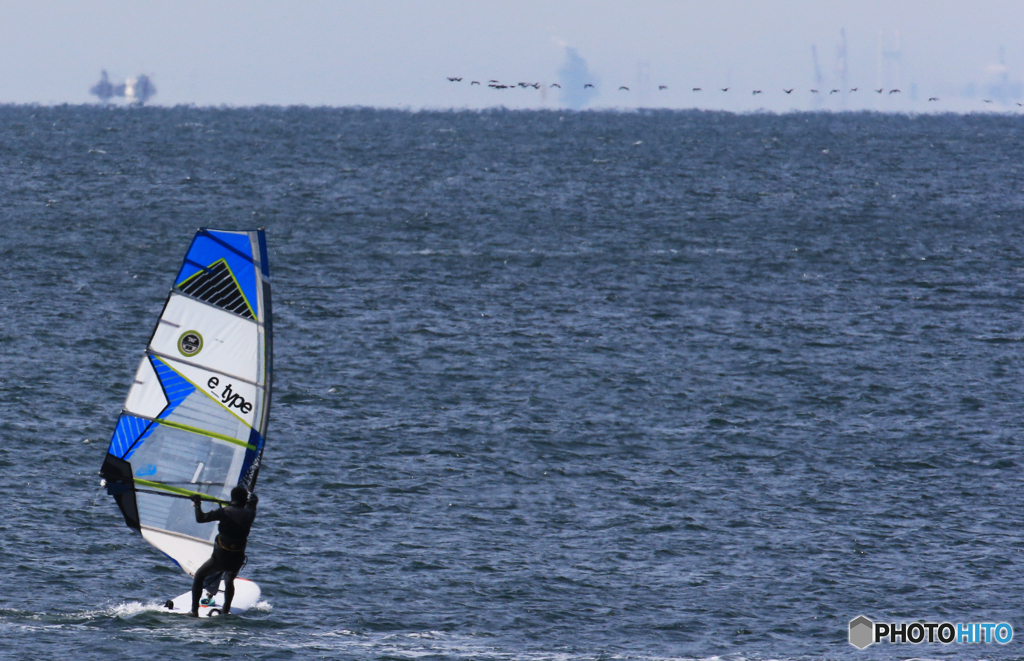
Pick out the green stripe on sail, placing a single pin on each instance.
(211, 434)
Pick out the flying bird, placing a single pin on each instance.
(725, 89)
(879, 91)
(789, 91)
(833, 92)
(475, 82)
(988, 100)
(696, 89)
(587, 85)
(757, 91)
(454, 80)
(556, 85)
(623, 87)
(854, 89)
(814, 91)
(492, 81)
(662, 87)
(934, 98)
(894, 91)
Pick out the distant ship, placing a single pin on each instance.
(135, 91)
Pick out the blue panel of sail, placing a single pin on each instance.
(175, 386)
(264, 261)
(252, 459)
(210, 247)
(129, 430)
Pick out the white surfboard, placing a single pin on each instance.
(247, 594)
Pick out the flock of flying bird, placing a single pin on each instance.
(504, 86)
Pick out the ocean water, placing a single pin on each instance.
(567, 386)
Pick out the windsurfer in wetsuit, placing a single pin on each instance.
(229, 548)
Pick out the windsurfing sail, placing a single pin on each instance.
(195, 419)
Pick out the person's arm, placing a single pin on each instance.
(251, 504)
(201, 516)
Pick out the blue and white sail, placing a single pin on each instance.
(195, 420)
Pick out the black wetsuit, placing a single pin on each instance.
(228, 549)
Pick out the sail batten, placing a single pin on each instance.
(196, 414)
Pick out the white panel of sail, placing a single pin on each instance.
(203, 335)
(146, 398)
(195, 418)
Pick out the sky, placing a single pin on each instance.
(400, 53)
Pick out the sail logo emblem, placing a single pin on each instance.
(190, 343)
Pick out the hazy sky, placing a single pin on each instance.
(399, 53)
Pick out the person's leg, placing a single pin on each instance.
(197, 583)
(229, 590)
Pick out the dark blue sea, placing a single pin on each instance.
(562, 386)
